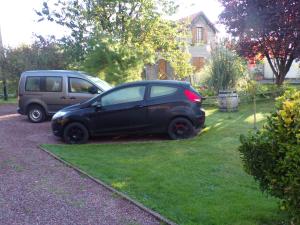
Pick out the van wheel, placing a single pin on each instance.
(76, 133)
(36, 114)
(181, 128)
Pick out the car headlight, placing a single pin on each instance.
(59, 114)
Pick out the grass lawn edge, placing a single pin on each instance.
(122, 195)
(10, 101)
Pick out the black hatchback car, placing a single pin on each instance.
(171, 107)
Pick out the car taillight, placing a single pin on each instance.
(192, 96)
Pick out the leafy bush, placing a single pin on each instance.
(272, 155)
(263, 91)
(205, 91)
(273, 89)
(202, 77)
(226, 67)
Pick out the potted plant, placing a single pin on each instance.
(226, 67)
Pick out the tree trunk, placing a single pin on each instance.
(280, 68)
(280, 79)
(5, 89)
(255, 110)
(5, 95)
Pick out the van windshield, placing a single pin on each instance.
(101, 83)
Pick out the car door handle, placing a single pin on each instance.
(63, 97)
(72, 98)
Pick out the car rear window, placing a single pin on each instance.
(158, 91)
(33, 84)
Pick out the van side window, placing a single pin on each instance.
(77, 85)
(33, 84)
(53, 84)
(158, 91)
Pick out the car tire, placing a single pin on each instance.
(181, 128)
(36, 114)
(76, 133)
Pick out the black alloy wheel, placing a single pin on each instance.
(181, 128)
(76, 133)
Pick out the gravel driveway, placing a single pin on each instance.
(37, 189)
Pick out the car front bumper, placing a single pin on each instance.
(20, 111)
(57, 127)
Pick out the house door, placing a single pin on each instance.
(162, 70)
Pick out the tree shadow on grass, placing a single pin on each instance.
(242, 119)
(130, 138)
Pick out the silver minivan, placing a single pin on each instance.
(44, 92)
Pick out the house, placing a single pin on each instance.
(264, 72)
(294, 72)
(203, 35)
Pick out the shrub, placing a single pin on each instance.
(202, 77)
(272, 155)
(205, 91)
(226, 67)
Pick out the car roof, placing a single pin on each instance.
(54, 72)
(156, 82)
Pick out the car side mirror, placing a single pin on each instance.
(93, 90)
(97, 105)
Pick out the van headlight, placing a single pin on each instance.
(59, 114)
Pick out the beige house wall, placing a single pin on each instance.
(294, 72)
(199, 50)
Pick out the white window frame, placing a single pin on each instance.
(199, 34)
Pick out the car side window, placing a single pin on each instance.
(33, 84)
(124, 95)
(53, 84)
(158, 91)
(77, 85)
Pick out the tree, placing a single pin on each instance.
(2, 74)
(265, 28)
(44, 53)
(118, 38)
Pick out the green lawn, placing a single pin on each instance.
(197, 181)
(10, 100)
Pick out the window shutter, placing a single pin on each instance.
(194, 35)
(205, 35)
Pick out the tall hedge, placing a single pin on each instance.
(272, 155)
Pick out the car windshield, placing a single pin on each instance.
(101, 83)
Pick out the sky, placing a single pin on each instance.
(18, 21)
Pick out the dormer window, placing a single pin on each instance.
(199, 34)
